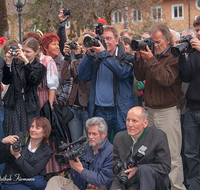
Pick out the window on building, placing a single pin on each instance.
(136, 15)
(197, 3)
(177, 11)
(117, 17)
(67, 24)
(156, 13)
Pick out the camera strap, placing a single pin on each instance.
(90, 163)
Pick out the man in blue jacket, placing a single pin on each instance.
(99, 153)
(111, 76)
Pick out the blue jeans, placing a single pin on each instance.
(191, 132)
(77, 123)
(1, 137)
(110, 116)
(38, 183)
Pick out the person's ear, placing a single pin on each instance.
(146, 123)
(104, 134)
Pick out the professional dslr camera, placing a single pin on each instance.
(14, 48)
(66, 12)
(72, 45)
(88, 41)
(137, 45)
(120, 167)
(75, 151)
(16, 146)
(184, 46)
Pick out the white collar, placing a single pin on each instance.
(29, 148)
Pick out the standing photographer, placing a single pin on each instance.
(111, 78)
(162, 94)
(189, 72)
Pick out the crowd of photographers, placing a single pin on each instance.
(101, 78)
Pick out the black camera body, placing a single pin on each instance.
(98, 28)
(14, 48)
(184, 46)
(16, 146)
(137, 45)
(120, 167)
(89, 42)
(74, 152)
(72, 45)
(66, 12)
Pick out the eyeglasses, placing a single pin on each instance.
(156, 44)
(108, 39)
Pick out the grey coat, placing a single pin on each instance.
(157, 154)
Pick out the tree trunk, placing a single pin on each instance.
(3, 20)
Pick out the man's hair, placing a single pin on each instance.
(32, 34)
(126, 31)
(126, 40)
(92, 34)
(178, 36)
(7, 44)
(196, 22)
(187, 31)
(165, 31)
(97, 121)
(144, 114)
(112, 29)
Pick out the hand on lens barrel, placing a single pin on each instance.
(98, 49)
(146, 54)
(61, 16)
(66, 50)
(20, 55)
(15, 154)
(11, 139)
(77, 50)
(131, 172)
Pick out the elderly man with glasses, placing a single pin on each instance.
(162, 94)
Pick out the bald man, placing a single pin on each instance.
(152, 170)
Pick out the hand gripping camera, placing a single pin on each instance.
(137, 45)
(184, 46)
(75, 151)
(16, 146)
(120, 167)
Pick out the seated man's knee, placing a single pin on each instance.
(39, 183)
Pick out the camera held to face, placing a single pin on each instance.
(184, 46)
(137, 45)
(14, 48)
(120, 167)
(66, 12)
(74, 152)
(72, 45)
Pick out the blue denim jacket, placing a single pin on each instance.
(123, 80)
(100, 172)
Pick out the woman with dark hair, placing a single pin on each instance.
(24, 73)
(25, 164)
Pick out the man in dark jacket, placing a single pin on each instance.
(152, 143)
(162, 95)
(98, 153)
(111, 78)
(189, 72)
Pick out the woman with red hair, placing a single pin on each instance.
(50, 47)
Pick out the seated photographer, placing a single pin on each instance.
(189, 70)
(25, 156)
(147, 172)
(98, 152)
